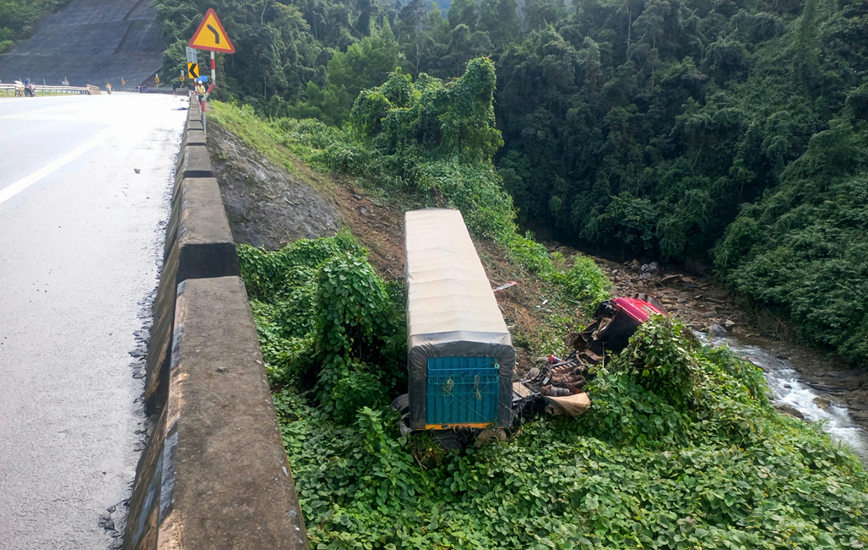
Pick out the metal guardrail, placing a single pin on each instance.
(9, 89)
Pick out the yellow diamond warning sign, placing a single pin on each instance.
(211, 35)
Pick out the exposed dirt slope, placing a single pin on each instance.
(269, 207)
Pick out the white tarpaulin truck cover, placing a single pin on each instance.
(451, 309)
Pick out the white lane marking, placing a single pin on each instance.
(25, 182)
(46, 109)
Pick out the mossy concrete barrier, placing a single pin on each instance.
(198, 245)
(214, 474)
(193, 137)
(194, 163)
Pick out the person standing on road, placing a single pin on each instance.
(175, 85)
(200, 89)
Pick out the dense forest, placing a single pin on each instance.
(18, 19)
(730, 133)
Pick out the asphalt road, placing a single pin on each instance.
(80, 232)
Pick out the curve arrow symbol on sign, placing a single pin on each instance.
(211, 35)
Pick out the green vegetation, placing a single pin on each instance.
(803, 249)
(18, 19)
(433, 141)
(487, 209)
(680, 450)
(323, 313)
(639, 128)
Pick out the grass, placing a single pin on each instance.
(255, 132)
(714, 468)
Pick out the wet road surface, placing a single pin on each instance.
(80, 232)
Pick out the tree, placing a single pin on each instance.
(499, 18)
(366, 64)
(463, 12)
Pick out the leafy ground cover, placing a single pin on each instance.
(680, 450)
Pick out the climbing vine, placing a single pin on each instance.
(680, 450)
(324, 316)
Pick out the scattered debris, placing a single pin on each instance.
(670, 279)
(507, 285)
(573, 405)
(556, 388)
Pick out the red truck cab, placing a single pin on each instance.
(616, 321)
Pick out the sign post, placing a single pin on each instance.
(211, 36)
(192, 56)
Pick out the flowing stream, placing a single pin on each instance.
(788, 388)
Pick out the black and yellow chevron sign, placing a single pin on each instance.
(193, 70)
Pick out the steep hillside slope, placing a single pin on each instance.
(90, 41)
(625, 475)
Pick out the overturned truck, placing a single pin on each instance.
(460, 359)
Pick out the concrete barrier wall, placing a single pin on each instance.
(214, 475)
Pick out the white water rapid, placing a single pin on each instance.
(788, 389)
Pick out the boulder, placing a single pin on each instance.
(789, 410)
(822, 402)
(716, 330)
